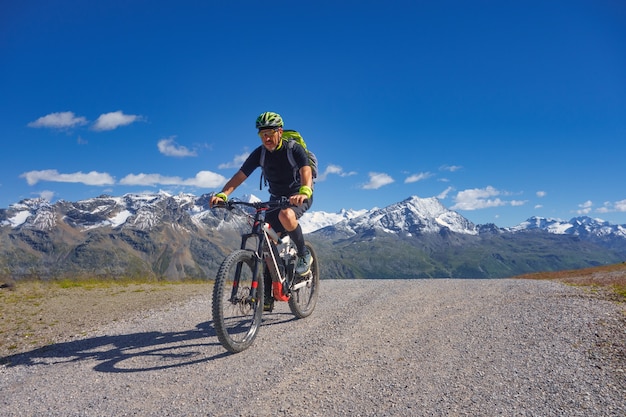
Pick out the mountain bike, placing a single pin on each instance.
(238, 293)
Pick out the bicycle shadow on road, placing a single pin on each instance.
(277, 317)
(135, 352)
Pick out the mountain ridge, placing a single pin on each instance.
(178, 236)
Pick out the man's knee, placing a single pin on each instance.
(287, 214)
(288, 219)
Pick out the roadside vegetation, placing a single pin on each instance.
(37, 313)
(607, 279)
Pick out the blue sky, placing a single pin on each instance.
(503, 110)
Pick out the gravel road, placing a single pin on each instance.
(443, 347)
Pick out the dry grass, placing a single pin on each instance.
(611, 278)
(36, 313)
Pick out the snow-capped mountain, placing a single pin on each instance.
(154, 235)
(177, 236)
(578, 226)
(414, 216)
(411, 217)
(140, 211)
(312, 221)
(145, 211)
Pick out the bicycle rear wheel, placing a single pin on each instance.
(236, 315)
(305, 289)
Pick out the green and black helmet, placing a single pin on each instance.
(269, 120)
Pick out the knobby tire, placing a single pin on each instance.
(237, 321)
(303, 300)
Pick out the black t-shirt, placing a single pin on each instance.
(278, 170)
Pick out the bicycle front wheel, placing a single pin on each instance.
(304, 290)
(236, 313)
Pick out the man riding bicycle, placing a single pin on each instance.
(279, 174)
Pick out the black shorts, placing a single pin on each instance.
(272, 216)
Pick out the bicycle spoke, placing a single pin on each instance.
(236, 314)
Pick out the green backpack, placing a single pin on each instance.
(290, 137)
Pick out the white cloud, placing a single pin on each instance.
(609, 207)
(236, 162)
(541, 194)
(203, 179)
(450, 168)
(620, 205)
(67, 119)
(149, 179)
(417, 177)
(480, 198)
(334, 170)
(378, 180)
(46, 195)
(52, 175)
(60, 120)
(585, 208)
(169, 147)
(206, 179)
(113, 120)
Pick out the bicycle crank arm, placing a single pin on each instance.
(301, 284)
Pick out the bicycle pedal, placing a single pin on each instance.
(302, 281)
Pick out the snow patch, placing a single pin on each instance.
(19, 218)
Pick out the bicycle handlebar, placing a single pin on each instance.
(259, 205)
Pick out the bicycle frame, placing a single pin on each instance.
(238, 292)
(267, 251)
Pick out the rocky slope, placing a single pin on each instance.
(178, 236)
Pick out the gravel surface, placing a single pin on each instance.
(441, 347)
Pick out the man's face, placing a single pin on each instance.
(271, 138)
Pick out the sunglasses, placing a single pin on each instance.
(267, 132)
